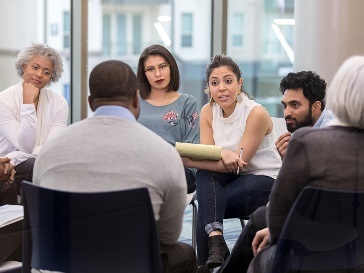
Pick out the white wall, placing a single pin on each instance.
(325, 39)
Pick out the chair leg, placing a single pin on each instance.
(242, 223)
(194, 224)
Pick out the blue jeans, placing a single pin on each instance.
(226, 195)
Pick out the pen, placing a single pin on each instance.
(241, 152)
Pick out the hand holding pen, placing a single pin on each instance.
(240, 154)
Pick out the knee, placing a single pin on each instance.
(257, 219)
(190, 254)
(203, 174)
(180, 257)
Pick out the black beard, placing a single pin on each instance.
(306, 121)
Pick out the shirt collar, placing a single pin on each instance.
(324, 119)
(113, 110)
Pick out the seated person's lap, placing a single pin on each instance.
(11, 237)
(24, 171)
(179, 257)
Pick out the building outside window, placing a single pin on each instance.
(187, 29)
(237, 30)
(137, 34)
(66, 29)
(106, 35)
(121, 35)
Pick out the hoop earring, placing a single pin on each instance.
(239, 98)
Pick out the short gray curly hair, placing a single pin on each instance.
(28, 53)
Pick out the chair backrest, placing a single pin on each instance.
(323, 231)
(89, 232)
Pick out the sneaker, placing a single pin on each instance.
(218, 251)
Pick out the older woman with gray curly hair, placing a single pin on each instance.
(31, 113)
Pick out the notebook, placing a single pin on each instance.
(199, 151)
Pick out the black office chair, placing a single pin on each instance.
(192, 200)
(323, 231)
(89, 232)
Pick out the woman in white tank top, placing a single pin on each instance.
(240, 182)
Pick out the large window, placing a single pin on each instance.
(261, 42)
(126, 29)
(38, 22)
(259, 36)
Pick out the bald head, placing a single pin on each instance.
(113, 83)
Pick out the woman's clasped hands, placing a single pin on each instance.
(7, 172)
(232, 161)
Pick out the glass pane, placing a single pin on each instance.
(237, 29)
(187, 22)
(66, 29)
(238, 22)
(38, 22)
(267, 53)
(121, 28)
(237, 40)
(66, 21)
(137, 34)
(186, 40)
(106, 42)
(153, 22)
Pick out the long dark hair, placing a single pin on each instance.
(143, 83)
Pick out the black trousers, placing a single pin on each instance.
(178, 258)
(11, 238)
(24, 171)
(9, 195)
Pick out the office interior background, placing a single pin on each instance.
(267, 38)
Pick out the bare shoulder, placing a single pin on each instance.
(206, 112)
(260, 118)
(206, 107)
(260, 113)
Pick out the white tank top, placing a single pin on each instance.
(228, 132)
